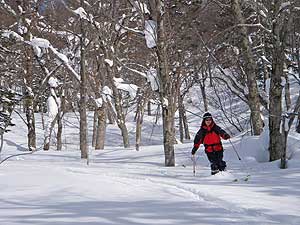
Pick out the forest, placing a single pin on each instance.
(113, 57)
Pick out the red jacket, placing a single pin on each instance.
(210, 137)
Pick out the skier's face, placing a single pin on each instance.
(208, 121)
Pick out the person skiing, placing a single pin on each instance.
(210, 135)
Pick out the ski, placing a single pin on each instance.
(246, 178)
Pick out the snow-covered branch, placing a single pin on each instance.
(6, 7)
(38, 43)
(258, 25)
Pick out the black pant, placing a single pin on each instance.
(216, 160)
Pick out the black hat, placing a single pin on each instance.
(207, 115)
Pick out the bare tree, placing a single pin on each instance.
(250, 70)
(282, 18)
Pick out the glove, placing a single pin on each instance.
(193, 151)
(226, 136)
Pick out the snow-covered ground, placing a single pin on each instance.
(123, 186)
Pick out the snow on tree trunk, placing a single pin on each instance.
(51, 119)
(150, 33)
(250, 70)
(52, 112)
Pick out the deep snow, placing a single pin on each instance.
(123, 186)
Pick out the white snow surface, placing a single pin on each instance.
(129, 187)
(109, 62)
(150, 33)
(12, 34)
(40, 42)
(81, 12)
(53, 82)
(131, 89)
(152, 78)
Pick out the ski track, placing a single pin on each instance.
(167, 179)
(190, 192)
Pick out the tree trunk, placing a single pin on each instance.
(120, 116)
(185, 125)
(276, 138)
(292, 116)
(61, 112)
(95, 121)
(250, 70)
(111, 115)
(149, 108)
(83, 93)
(203, 93)
(287, 93)
(118, 105)
(43, 119)
(1, 144)
(48, 132)
(181, 117)
(166, 99)
(100, 140)
(30, 124)
(284, 142)
(279, 34)
(298, 60)
(28, 104)
(139, 120)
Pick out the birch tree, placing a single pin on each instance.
(250, 70)
(282, 14)
(165, 82)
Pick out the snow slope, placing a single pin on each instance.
(123, 186)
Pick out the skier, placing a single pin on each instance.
(209, 134)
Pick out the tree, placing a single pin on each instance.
(250, 69)
(8, 100)
(282, 17)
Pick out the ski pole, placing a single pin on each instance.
(235, 150)
(194, 165)
(243, 163)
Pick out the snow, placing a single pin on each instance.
(131, 89)
(124, 186)
(53, 82)
(8, 8)
(150, 33)
(284, 5)
(107, 92)
(81, 12)
(12, 34)
(61, 56)
(99, 102)
(109, 62)
(152, 78)
(140, 6)
(40, 42)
